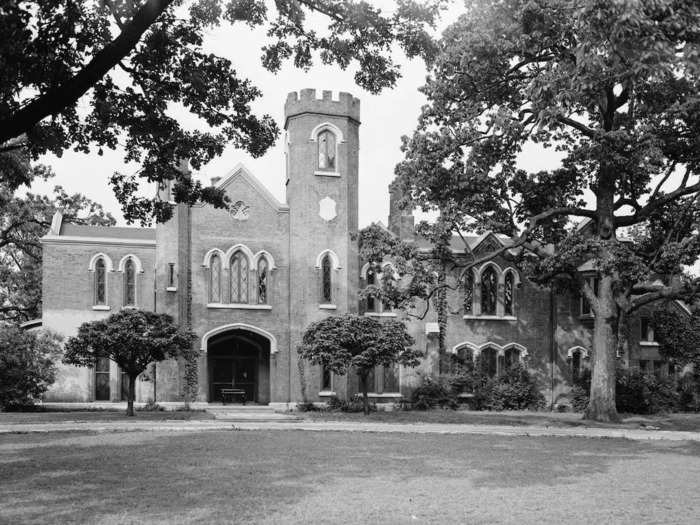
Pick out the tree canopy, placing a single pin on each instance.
(342, 343)
(613, 88)
(133, 339)
(103, 74)
(24, 219)
(27, 365)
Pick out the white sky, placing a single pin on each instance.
(385, 118)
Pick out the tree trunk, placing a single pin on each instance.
(601, 406)
(365, 398)
(131, 397)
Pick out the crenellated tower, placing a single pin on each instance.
(322, 146)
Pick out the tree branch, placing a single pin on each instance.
(652, 206)
(57, 99)
(577, 125)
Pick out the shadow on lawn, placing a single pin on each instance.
(245, 476)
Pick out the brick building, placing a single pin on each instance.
(250, 279)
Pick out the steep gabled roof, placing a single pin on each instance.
(240, 171)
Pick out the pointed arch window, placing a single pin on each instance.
(262, 281)
(129, 283)
(489, 362)
(326, 280)
(239, 278)
(509, 294)
(326, 150)
(215, 279)
(100, 284)
(489, 291)
(469, 292)
(511, 357)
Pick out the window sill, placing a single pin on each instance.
(586, 317)
(171, 289)
(648, 343)
(239, 306)
(101, 307)
(326, 393)
(490, 317)
(130, 307)
(380, 314)
(327, 307)
(326, 173)
(383, 395)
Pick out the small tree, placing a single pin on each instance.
(133, 339)
(26, 365)
(339, 343)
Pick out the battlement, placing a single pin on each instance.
(306, 102)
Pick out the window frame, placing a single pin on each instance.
(241, 276)
(100, 267)
(130, 268)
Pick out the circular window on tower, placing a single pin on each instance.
(239, 211)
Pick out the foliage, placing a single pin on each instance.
(613, 89)
(128, 62)
(433, 393)
(636, 393)
(24, 219)
(354, 404)
(132, 339)
(27, 366)
(515, 389)
(640, 393)
(341, 343)
(678, 336)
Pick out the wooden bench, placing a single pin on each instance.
(231, 394)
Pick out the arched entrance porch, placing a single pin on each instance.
(238, 358)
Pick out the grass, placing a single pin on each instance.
(689, 422)
(334, 477)
(50, 416)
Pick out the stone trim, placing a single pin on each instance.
(240, 306)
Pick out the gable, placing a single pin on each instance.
(240, 178)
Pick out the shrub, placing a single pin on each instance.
(516, 389)
(26, 365)
(433, 393)
(151, 406)
(639, 393)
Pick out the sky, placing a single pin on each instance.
(385, 118)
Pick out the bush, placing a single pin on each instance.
(636, 393)
(151, 406)
(355, 404)
(434, 393)
(639, 393)
(516, 389)
(26, 365)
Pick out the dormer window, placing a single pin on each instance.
(326, 151)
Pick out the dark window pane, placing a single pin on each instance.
(262, 281)
(489, 362)
(509, 294)
(327, 285)
(468, 291)
(489, 291)
(100, 283)
(326, 380)
(576, 365)
(391, 379)
(371, 281)
(215, 280)
(512, 357)
(129, 283)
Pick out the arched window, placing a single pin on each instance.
(371, 281)
(511, 357)
(215, 279)
(129, 283)
(239, 278)
(489, 291)
(326, 280)
(326, 150)
(576, 365)
(489, 362)
(468, 292)
(100, 282)
(509, 294)
(262, 281)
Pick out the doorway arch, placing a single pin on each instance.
(238, 358)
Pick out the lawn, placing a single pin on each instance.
(690, 422)
(335, 477)
(58, 416)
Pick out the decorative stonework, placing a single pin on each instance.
(327, 209)
(239, 211)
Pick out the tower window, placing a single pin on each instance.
(100, 282)
(326, 280)
(326, 151)
(239, 278)
(129, 283)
